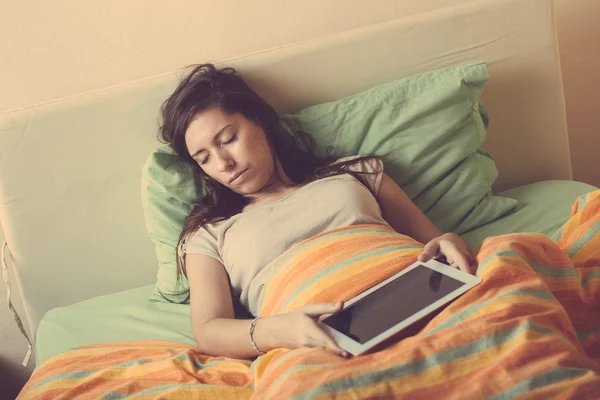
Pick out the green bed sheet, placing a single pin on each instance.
(128, 315)
(543, 208)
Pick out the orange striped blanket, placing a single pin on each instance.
(530, 330)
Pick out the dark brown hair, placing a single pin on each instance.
(204, 87)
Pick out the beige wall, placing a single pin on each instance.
(53, 49)
(578, 26)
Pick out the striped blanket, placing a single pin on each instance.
(530, 330)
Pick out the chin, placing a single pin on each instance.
(241, 189)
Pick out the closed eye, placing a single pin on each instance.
(205, 160)
(231, 139)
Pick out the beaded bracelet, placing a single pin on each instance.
(250, 332)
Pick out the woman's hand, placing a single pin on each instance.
(454, 249)
(300, 328)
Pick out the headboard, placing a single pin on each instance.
(70, 169)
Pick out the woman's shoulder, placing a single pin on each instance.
(211, 229)
(346, 159)
(360, 163)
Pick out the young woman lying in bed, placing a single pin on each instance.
(268, 194)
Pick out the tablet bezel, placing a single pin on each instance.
(357, 348)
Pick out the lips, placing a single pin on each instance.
(237, 175)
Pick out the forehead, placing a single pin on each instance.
(206, 124)
(209, 121)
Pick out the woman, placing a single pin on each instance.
(268, 193)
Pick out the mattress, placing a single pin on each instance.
(127, 315)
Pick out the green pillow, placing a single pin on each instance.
(427, 128)
(169, 190)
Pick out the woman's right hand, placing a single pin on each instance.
(300, 328)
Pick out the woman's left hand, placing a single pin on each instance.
(454, 249)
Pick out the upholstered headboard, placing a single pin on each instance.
(70, 170)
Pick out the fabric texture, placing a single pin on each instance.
(248, 243)
(169, 190)
(427, 129)
(127, 315)
(529, 330)
(543, 208)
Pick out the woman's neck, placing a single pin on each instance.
(274, 190)
(279, 183)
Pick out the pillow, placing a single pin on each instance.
(169, 190)
(427, 129)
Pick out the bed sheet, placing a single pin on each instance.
(543, 208)
(127, 315)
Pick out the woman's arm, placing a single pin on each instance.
(402, 214)
(218, 333)
(216, 330)
(405, 217)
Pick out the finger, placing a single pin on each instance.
(471, 258)
(456, 256)
(459, 259)
(323, 339)
(472, 261)
(474, 264)
(430, 250)
(318, 309)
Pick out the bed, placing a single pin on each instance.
(128, 315)
(79, 258)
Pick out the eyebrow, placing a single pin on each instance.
(214, 138)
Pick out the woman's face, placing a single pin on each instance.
(231, 149)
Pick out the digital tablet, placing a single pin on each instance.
(395, 304)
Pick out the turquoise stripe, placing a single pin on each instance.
(301, 248)
(119, 396)
(131, 364)
(542, 269)
(343, 264)
(582, 202)
(78, 375)
(115, 396)
(541, 380)
(581, 336)
(558, 234)
(582, 241)
(311, 243)
(84, 374)
(459, 317)
(198, 365)
(500, 253)
(419, 366)
(554, 273)
(595, 274)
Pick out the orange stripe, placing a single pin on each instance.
(295, 272)
(354, 279)
(312, 261)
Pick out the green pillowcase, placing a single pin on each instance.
(427, 128)
(169, 190)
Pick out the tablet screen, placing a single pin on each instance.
(393, 303)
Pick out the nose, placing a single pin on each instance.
(224, 162)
